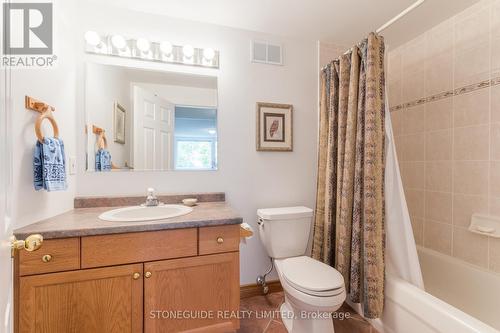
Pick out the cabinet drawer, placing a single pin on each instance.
(218, 239)
(55, 255)
(108, 250)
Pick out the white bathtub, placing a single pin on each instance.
(460, 299)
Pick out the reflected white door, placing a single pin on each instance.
(153, 131)
(6, 286)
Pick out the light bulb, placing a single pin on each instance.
(188, 51)
(209, 54)
(92, 38)
(119, 42)
(166, 48)
(143, 44)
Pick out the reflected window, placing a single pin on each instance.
(195, 138)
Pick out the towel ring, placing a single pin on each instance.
(47, 114)
(102, 142)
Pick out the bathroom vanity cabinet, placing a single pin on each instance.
(179, 280)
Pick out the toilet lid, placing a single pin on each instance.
(311, 276)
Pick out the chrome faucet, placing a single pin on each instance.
(151, 200)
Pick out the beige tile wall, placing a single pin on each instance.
(449, 148)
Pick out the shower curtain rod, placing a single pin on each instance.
(399, 16)
(391, 21)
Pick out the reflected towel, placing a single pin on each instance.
(102, 160)
(49, 165)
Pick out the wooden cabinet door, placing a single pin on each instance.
(197, 294)
(92, 300)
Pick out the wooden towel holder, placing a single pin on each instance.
(102, 142)
(245, 233)
(46, 112)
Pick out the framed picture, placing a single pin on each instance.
(119, 123)
(274, 127)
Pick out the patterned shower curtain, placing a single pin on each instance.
(349, 221)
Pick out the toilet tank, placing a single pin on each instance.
(284, 231)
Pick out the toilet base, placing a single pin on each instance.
(286, 316)
(296, 323)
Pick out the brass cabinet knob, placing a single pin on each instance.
(30, 244)
(136, 276)
(220, 240)
(47, 258)
(148, 274)
(33, 242)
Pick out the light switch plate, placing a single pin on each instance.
(72, 165)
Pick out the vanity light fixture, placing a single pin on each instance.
(188, 51)
(93, 38)
(209, 54)
(166, 48)
(147, 50)
(119, 42)
(143, 45)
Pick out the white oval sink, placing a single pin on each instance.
(143, 213)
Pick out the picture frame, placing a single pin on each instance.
(274, 126)
(119, 118)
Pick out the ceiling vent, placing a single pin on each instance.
(267, 53)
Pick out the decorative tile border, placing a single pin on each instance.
(458, 91)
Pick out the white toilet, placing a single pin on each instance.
(313, 290)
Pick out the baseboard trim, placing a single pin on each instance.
(250, 290)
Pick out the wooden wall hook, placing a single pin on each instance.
(33, 104)
(97, 130)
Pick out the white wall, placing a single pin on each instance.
(181, 95)
(250, 179)
(57, 87)
(329, 52)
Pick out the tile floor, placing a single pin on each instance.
(253, 323)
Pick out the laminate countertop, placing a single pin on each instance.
(85, 222)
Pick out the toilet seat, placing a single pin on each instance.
(312, 277)
(324, 293)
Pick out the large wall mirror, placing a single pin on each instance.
(140, 120)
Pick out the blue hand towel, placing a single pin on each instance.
(49, 165)
(102, 160)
